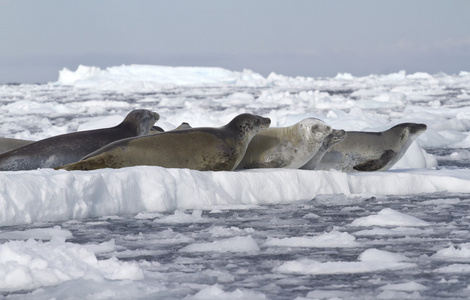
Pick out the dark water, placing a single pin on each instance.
(147, 240)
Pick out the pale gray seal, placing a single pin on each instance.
(204, 149)
(71, 147)
(7, 144)
(334, 138)
(371, 151)
(286, 147)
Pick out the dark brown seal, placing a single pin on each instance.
(204, 149)
(71, 147)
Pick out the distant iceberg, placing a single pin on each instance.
(113, 77)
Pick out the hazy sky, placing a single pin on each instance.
(291, 37)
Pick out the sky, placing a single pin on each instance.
(294, 38)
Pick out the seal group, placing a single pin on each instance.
(245, 142)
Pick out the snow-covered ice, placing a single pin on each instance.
(371, 260)
(150, 232)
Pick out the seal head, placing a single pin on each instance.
(334, 138)
(286, 147)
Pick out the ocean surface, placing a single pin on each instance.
(156, 233)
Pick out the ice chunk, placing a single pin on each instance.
(234, 244)
(26, 265)
(389, 217)
(333, 239)
(371, 260)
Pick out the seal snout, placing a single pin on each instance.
(156, 116)
(338, 135)
(418, 128)
(329, 129)
(333, 138)
(264, 122)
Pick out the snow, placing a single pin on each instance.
(151, 232)
(36, 233)
(77, 195)
(458, 252)
(27, 265)
(216, 292)
(454, 268)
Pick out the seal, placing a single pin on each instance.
(7, 144)
(204, 149)
(371, 151)
(71, 147)
(334, 138)
(286, 147)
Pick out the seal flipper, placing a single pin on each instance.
(376, 164)
(277, 163)
(156, 129)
